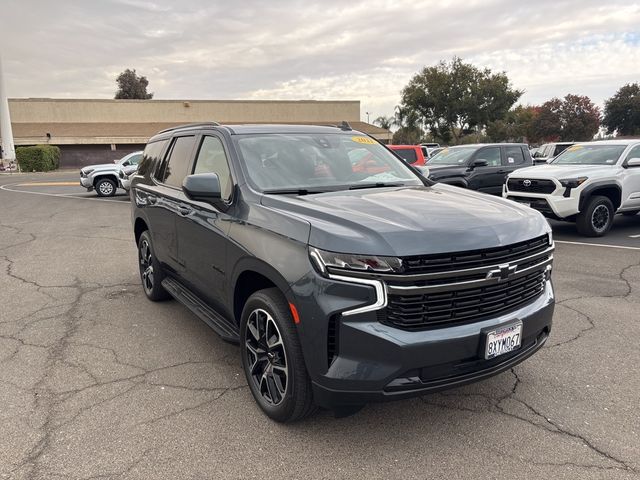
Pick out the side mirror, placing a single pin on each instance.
(480, 162)
(633, 162)
(202, 187)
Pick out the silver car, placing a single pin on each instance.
(104, 178)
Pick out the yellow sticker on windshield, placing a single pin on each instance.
(574, 147)
(364, 140)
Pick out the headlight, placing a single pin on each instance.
(346, 261)
(573, 182)
(86, 172)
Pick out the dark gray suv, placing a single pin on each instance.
(345, 276)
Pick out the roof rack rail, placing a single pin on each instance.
(190, 125)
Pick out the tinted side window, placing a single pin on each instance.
(212, 159)
(178, 163)
(559, 149)
(514, 156)
(634, 153)
(491, 155)
(409, 155)
(151, 156)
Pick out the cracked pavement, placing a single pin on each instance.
(98, 382)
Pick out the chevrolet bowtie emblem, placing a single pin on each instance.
(502, 272)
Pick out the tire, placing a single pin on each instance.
(272, 358)
(105, 187)
(596, 218)
(151, 273)
(631, 214)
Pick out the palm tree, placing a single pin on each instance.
(384, 122)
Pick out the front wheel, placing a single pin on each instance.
(272, 358)
(596, 218)
(105, 187)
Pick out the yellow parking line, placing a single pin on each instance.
(49, 184)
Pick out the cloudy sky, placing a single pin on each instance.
(289, 49)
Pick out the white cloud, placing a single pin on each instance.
(363, 50)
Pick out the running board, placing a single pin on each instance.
(209, 316)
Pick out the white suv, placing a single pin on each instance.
(587, 183)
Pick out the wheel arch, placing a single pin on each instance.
(139, 226)
(110, 176)
(612, 191)
(250, 276)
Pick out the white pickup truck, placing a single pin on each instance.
(587, 183)
(105, 178)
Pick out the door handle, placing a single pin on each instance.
(152, 199)
(184, 210)
(502, 171)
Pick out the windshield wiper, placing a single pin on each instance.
(375, 185)
(292, 191)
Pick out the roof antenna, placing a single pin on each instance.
(345, 126)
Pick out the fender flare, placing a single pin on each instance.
(589, 189)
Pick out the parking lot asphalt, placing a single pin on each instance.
(98, 382)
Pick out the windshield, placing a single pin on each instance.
(133, 158)
(452, 156)
(590, 154)
(276, 163)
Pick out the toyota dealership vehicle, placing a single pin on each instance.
(547, 152)
(343, 285)
(588, 184)
(105, 178)
(483, 166)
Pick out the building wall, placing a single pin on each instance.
(142, 111)
(77, 156)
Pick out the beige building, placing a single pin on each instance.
(95, 131)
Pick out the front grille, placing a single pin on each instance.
(532, 186)
(473, 258)
(434, 310)
(539, 204)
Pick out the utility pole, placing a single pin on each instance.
(8, 150)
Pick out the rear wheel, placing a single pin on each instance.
(151, 272)
(596, 218)
(272, 358)
(106, 187)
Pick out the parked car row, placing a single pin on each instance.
(586, 183)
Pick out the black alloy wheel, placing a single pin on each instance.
(151, 273)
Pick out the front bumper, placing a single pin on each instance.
(377, 362)
(86, 183)
(553, 205)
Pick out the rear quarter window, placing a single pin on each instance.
(151, 156)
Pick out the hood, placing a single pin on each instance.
(410, 220)
(440, 171)
(102, 166)
(559, 172)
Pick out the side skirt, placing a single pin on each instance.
(222, 327)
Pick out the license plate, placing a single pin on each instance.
(503, 340)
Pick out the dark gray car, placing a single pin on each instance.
(483, 166)
(344, 275)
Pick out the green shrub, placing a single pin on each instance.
(39, 158)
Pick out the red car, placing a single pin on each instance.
(414, 154)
